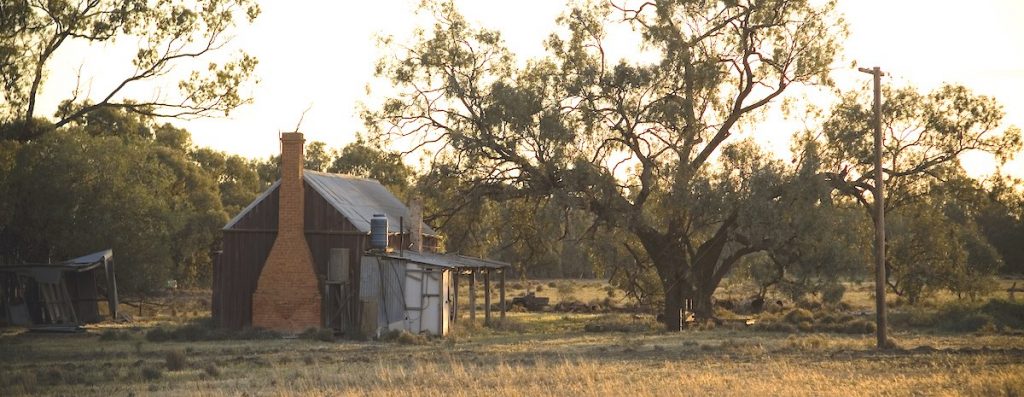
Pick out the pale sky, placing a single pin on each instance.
(321, 55)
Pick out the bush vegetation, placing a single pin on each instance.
(175, 360)
(204, 330)
(992, 315)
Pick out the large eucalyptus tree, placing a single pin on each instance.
(627, 140)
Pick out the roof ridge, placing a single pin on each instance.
(340, 175)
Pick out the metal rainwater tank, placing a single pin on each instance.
(379, 232)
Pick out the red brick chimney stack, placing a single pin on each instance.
(287, 296)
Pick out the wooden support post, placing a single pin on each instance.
(472, 297)
(455, 298)
(879, 197)
(487, 297)
(501, 298)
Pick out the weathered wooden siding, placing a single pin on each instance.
(82, 289)
(247, 244)
(240, 264)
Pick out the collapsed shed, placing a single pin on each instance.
(293, 258)
(58, 295)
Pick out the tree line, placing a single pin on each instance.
(569, 164)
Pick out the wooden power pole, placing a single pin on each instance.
(879, 193)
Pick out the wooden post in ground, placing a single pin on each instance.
(879, 197)
(455, 298)
(472, 298)
(501, 298)
(487, 297)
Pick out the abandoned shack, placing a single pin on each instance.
(291, 260)
(58, 296)
(418, 291)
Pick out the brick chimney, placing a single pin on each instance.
(287, 296)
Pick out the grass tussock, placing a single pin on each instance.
(619, 322)
(806, 321)
(320, 334)
(112, 335)
(204, 330)
(175, 360)
(151, 373)
(404, 337)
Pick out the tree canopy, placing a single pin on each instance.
(169, 34)
(624, 141)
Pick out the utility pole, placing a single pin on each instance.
(879, 193)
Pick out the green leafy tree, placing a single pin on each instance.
(813, 242)
(626, 141)
(168, 33)
(318, 156)
(924, 136)
(360, 158)
(237, 177)
(1001, 220)
(142, 196)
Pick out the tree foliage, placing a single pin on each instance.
(151, 204)
(930, 204)
(168, 33)
(623, 140)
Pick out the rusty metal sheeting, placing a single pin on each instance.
(63, 294)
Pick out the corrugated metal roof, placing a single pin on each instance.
(446, 260)
(80, 264)
(358, 199)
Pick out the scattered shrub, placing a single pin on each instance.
(1009, 314)
(813, 342)
(151, 373)
(995, 314)
(856, 326)
(52, 375)
(404, 337)
(315, 333)
(191, 332)
(212, 370)
(175, 360)
(742, 346)
(833, 293)
(798, 315)
(204, 330)
(540, 288)
(113, 335)
(158, 335)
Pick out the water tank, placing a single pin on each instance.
(379, 231)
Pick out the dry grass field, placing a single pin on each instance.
(531, 353)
